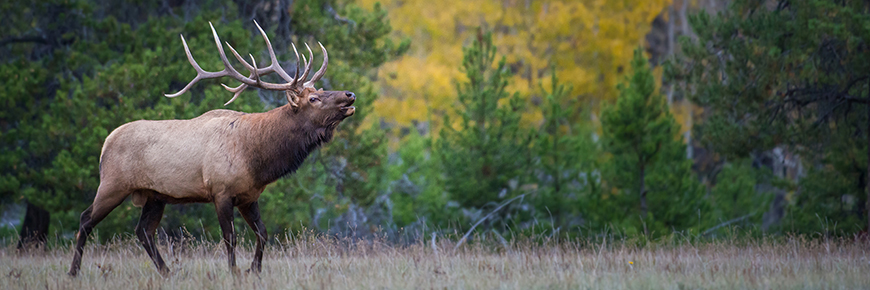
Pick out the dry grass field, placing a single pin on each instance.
(323, 263)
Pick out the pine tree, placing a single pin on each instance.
(647, 168)
(564, 156)
(484, 150)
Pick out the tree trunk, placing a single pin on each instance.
(34, 229)
(867, 183)
(643, 208)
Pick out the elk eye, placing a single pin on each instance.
(313, 99)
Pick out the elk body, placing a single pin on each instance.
(222, 157)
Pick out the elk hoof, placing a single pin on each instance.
(252, 271)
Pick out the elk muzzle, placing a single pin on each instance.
(347, 108)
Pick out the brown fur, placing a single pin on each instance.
(225, 157)
(219, 152)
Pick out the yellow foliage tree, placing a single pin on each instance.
(588, 42)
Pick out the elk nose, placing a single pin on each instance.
(350, 95)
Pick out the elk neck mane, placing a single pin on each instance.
(278, 141)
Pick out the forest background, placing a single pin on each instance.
(561, 118)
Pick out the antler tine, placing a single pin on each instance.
(259, 72)
(240, 59)
(296, 72)
(322, 71)
(275, 65)
(202, 74)
(199, 71)
(308, 63)
(228, 68)
(254, 71)
(237, 91)
(241, 88)
(304, 64)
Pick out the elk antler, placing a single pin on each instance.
(322, 71)
(292, 87)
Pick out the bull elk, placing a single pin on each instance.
(222, 157)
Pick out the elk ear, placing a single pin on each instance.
(292, 98)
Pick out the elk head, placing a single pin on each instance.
(325, 108)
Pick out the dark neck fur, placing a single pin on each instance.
(282, 139)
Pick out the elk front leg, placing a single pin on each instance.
(224, 209)
(251, 213)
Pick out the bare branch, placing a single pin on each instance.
(23, 39)
(465, 237)
(710, 230)
(329, 10)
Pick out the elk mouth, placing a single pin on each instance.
(348, 111)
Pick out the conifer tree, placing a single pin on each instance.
(484, 149)
(564, 156)
(647, 168)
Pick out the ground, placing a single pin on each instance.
(322, 263)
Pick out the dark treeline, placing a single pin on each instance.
(781, 144)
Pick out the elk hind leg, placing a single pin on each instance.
(152, 213)
(105, 201)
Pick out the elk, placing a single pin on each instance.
(222, 157)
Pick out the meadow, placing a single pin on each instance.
(318, 262)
